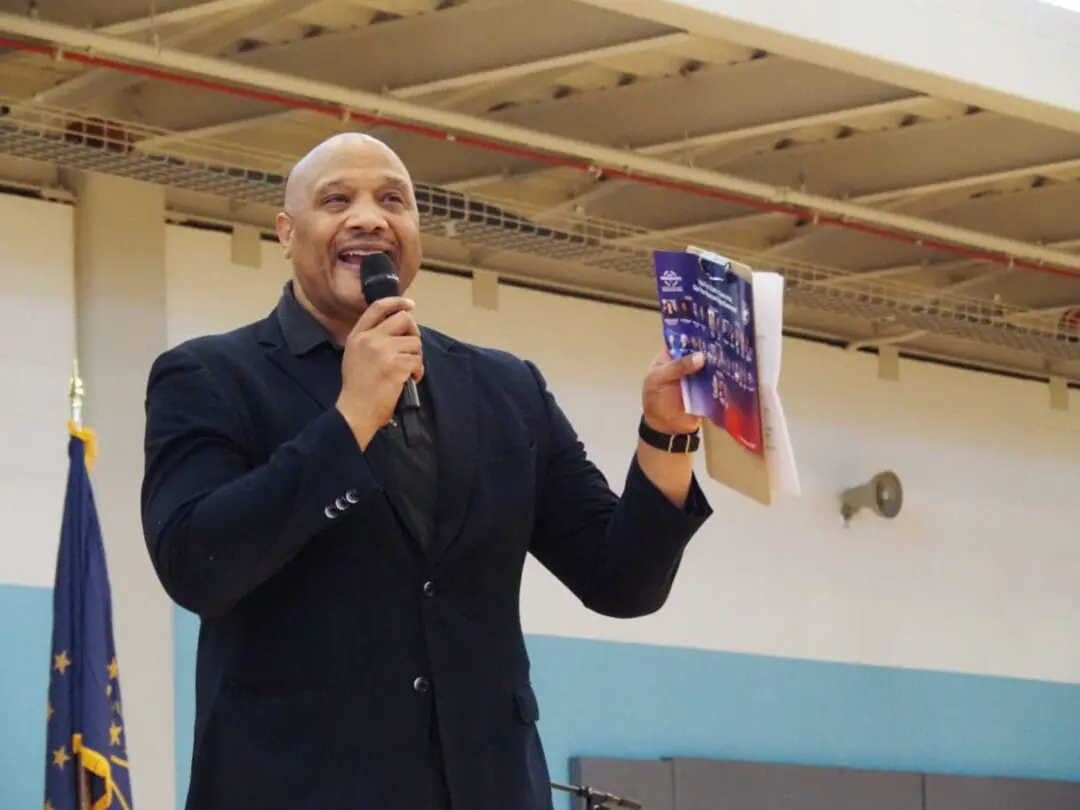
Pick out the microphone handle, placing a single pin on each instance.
(409, 408)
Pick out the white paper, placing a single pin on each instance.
(769, 332)
(769, 335)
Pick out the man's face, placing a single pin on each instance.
(352, 199)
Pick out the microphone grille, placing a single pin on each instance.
(377, 264)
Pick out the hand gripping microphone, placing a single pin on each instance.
(379, 279)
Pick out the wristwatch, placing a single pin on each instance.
(669, 442)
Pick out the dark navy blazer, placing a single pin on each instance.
(330, 643)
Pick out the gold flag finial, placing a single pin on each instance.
(76, 394)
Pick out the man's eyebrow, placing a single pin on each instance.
(395, 181)
(327, 185)
(392, 180)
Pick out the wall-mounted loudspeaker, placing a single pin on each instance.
(883, 495)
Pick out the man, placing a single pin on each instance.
(360, 644)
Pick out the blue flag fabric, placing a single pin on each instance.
(86, 763)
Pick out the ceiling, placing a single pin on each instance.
(707, 140)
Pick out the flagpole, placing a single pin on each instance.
(76, 392)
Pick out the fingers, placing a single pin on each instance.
(662, 358)
(407, 344)
(397, 366)
(381, 310)
(400, 323)
(388, 325)
(410, 365)
(680, 367)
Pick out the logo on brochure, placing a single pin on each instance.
(672, 281)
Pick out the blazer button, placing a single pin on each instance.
(421, 685)
(429, 588)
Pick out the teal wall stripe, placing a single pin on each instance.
(638, 700)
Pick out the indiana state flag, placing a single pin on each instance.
(86, 764)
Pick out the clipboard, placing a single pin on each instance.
(727, 461)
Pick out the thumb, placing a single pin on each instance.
(681, 367)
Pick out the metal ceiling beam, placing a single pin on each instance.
(957, 183)
(479, 181)
(215, 131)
(573, 59)
(209, 36)
(460, 82)
(890, 340)
(307, 50)
(405, 7)
(696, 145)
(978, 280)
(157, 21)
(894, 194)
(456, 125)
(701, 143)
(330, 56)
(941, 267)
(162, 19)
(1041, 314)
(937, 48)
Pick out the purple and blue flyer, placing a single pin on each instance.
(708, 307)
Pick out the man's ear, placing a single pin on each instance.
(284, 225)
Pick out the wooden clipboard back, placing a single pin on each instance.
(726, 460)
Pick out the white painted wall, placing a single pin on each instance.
(977, 575)
(205, 292)
(37, 344)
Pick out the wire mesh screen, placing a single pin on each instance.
(69, 139)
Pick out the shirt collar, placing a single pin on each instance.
(303, 331)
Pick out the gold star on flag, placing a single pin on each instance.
(114, 733)
(50, 711)
(49, 805)
(60, 758)
(114, 669)
(61, 662)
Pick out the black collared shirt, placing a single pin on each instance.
(414, 469)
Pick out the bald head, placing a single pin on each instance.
(342, 149)
(349, 196)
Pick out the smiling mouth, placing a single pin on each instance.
(355, 258)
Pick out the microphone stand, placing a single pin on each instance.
(597, 799)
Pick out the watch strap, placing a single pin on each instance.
(669, 442)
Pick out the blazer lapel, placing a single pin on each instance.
(309, 375)
(449, 376)
(314, 376)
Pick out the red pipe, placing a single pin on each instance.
(552, 160)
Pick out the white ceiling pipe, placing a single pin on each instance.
(66, 37)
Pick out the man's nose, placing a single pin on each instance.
(366, 216)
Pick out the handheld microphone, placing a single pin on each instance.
(379, 279)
